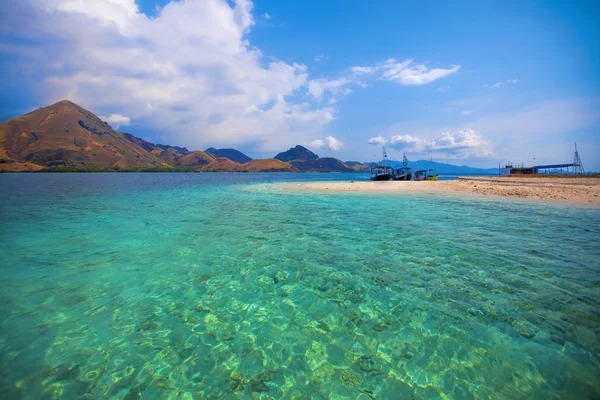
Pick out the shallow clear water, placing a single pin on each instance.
(217, 286)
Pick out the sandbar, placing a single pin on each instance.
(559, 189)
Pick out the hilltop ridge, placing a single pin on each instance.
(296, 153)
(65, 136)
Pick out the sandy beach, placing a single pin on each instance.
(573, 190)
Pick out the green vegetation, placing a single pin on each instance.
(98, 168)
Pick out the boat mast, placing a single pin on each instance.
(404, 161)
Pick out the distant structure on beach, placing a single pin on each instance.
(576, 167)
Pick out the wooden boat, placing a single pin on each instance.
(403, 173)
(426, 174)
(383, 171)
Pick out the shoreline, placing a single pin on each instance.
(564, 190)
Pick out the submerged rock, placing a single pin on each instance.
(147, 326)
(350, 378)
(258, 382)
(379, 327)
(280, 276)
(367, 364)
(526, 329)
(67, 373)
(323, 326)
(236, 382)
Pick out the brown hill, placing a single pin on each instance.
(170, 155)
(296, 153)
(321, 164)
(196, 158)
(67, 134)
(268, 165)
(358, 166)
(222, 164)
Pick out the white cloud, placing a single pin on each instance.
(498, 84)
(466, 112)
(460, 145)
(318, 87)
(329, 143)
(378, 140)
(443, 89)
(402, 73)
(267, 16)
(363, 70)
(193, 63)
(319, 58)
(407, 74)
(116, 120)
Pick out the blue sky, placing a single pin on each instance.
(472, 83)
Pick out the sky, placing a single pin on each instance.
(471, 83)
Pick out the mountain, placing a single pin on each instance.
(352, 163)
(358, 166)
(182, 150)
(321, 164)
(223, 164)
(171, 155)
(195, 158)
(296, 153)
(269, 165)
(232, 154)
(442, 168)
(65, 134)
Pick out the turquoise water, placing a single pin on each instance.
(217, 286)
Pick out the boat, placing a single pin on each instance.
(426, 174)
(403, 173)
(383, 171)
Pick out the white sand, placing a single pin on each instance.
(573, 190)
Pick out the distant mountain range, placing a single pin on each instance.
(296, 153)
(442, 168)
(232, 154)
(67, 137)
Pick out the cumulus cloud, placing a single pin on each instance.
(497, 85)
(378, 140)
(319, 58)
(462, 144)
(329, 143)
(267, 16)
(189, 72)
(466, 112)
(116, 120)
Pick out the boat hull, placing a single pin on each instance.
(383, 177)
(402, 178)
